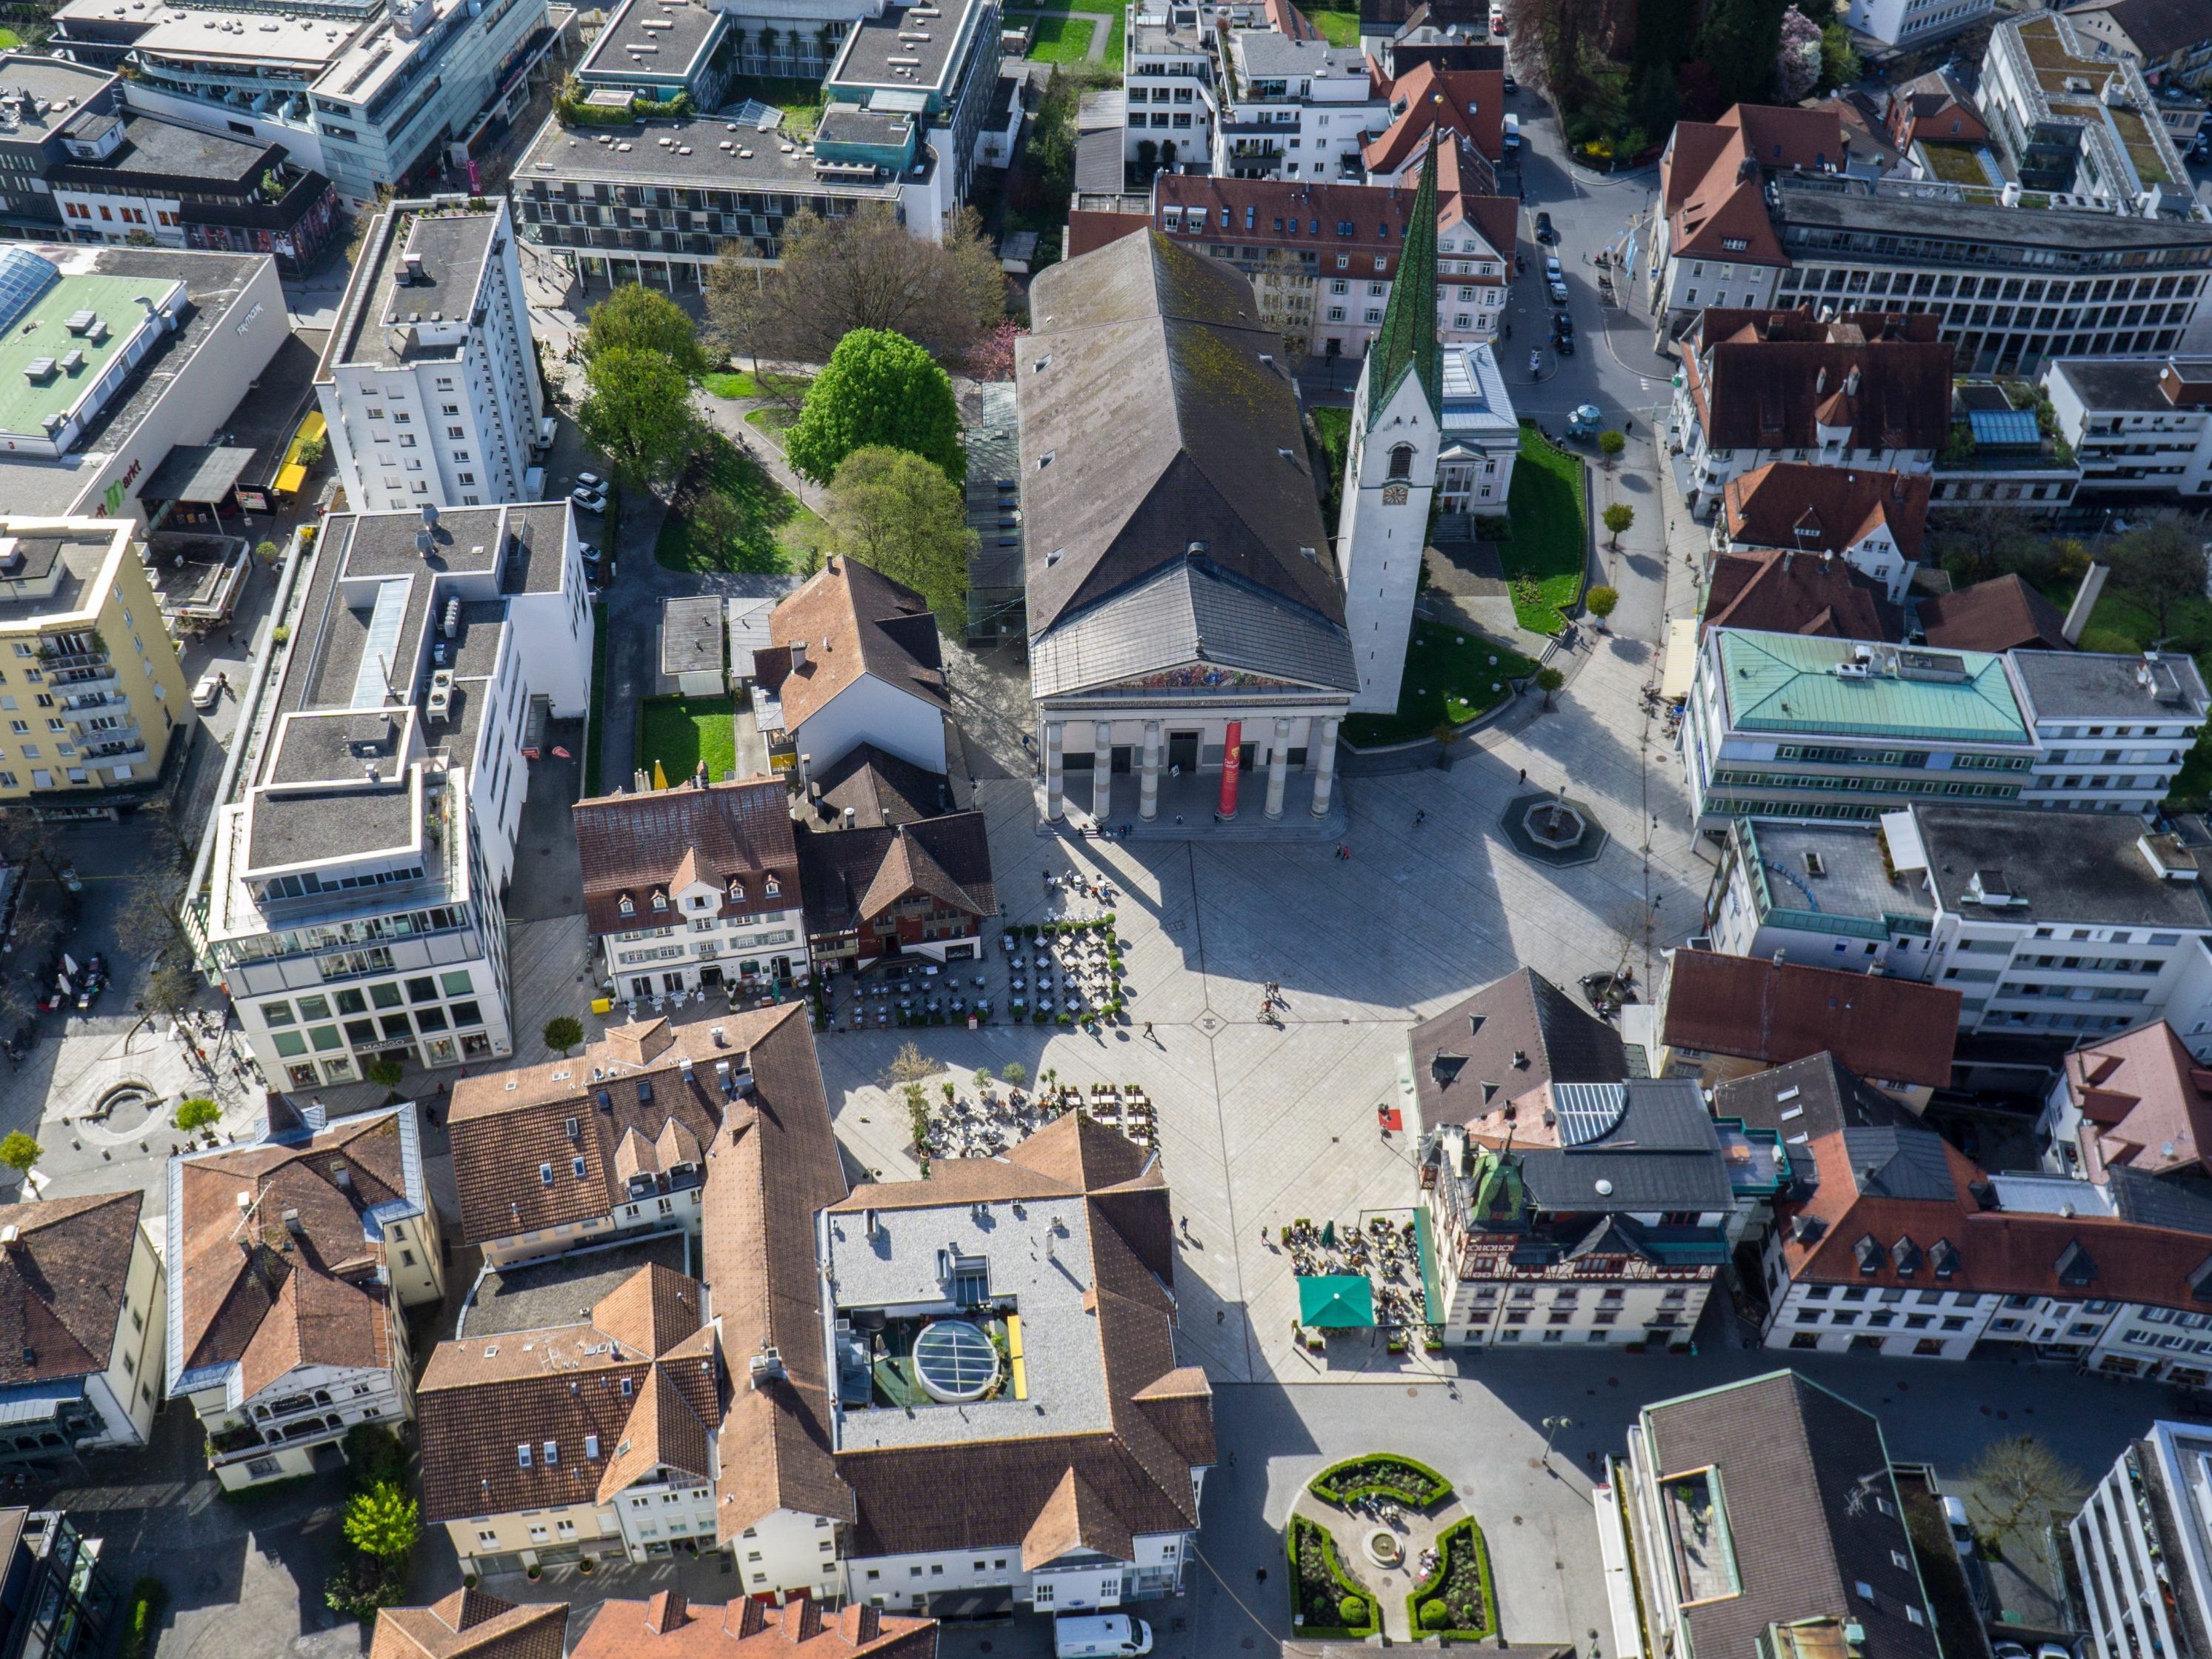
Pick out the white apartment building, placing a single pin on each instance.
(1590, 1214)
(1899, 1245)
(1795, 726)
(1168, 85)
(355, 902)
(1914, 23)
(2142, 1547)
(2141, 429)
(1297, 109)
(315, 1237)
(429, 383)
(2066, 115)
(369, 92)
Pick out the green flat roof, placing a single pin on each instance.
(1787, 682)
(42, 332)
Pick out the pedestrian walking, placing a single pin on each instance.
(1149, 1037)
(1421, 816)
(1221, 1315)
(1524, 775)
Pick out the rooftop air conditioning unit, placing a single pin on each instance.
(442, 694)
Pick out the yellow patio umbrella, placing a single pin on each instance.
(659, 777)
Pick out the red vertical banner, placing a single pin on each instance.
(1232, 763)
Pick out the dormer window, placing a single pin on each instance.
(660, 901)
(770, 886)
(736, 892)
(627, 908)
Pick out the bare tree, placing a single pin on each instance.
(2161, 566)
(2020, 1483)
(860, 271)
(908, 1067)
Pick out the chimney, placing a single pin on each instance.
(2077, 614)
(1852, 383)
(291, 1223)
(10, 1236)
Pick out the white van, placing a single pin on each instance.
(1100, 1636)
(1512, 134)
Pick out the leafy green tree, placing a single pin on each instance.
(564, 1032)
(894, 511)
(1618, 518)
(1839, 59)
(266, 551)
(1610, 443)
(1738, 41)
(19, 1152)
(385, 1072)
(1601, 601)
(196, 1113)
(1548, 681)
(878, 388)
(639, 319)
(1015, 1072)
(638, 411)
(383, 1521)
(2159, 566)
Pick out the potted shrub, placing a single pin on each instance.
(1352, 1610)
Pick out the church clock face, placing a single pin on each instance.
(1394, 494)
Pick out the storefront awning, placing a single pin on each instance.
(205, 473)
(1336, 1302)
(1681, 661)
(289, 480)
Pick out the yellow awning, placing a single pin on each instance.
(1681, 661)
(313, 427)
(289, 480)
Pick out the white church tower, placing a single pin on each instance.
(1390, 469)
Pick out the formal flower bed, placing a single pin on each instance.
(1380, 1474)
(1326, 1600)
(1458, 1601)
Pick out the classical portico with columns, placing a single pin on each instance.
(1188, 656)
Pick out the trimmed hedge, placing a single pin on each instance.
(1444, 1597)
(1316, 1603)
(148, 1598)
(1382, 1474)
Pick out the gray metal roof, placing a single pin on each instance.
(1899, 1162)
(1160, 433)
(2079, 685)
(1650, 1141)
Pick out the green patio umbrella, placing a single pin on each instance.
(1336, 1302)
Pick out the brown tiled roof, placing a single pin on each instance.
(1934, 107)
(850, 876)
(1769, 379)
(1784, 592)
(62, 1283)
(774, 1165)
(1287, 21)
(1471, 102)
(1309, 216)
(2001, 614)
(308, 1197)
(879, 788)
(470, 1624)
(507, 1126)
(1796, 1468)
(656, 843)
(2146, 1102)
(1815, 509)
(1509, 1037)
(1711, 176)
(2011, 1253)
(2157, 28)
(1132, 1479)
(854, 622)
(632, 1390)
(1892, 1030)
(668, 1628)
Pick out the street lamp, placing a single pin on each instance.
(1551, 1427)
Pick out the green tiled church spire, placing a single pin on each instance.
(1407, 342)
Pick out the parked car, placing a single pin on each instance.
(1100, 1636)
(591, 554)
(591, 481)
(1954, 1523)
(1511, 85)
(1544, 231)
(591, 501)
(1559, 292)
(1512, 141)
(1563, 323)
(208, 691)
(1564, 344)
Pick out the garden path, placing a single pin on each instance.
(1417, 1530)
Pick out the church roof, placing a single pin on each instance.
(1407, 342)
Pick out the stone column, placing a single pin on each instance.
(1279, 766)
(1052, 808)
(1148, 795)
(1325, 766)
(1102, 769)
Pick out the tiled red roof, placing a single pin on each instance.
(1471, 102)
(2146, 1102)
(1367, 221)
(2001, 614)
(1710, 175)
(1771, 380)
(470, 1624)
(853, 622)
(1891, 1030)
(1795, 504)
(62, 1283)
(735, 837)
(669, 1627)
(1777, 592)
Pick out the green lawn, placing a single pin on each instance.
(800, 101)
(1334, 427)
(1061, 39)
(727, 514)
(743, 383)
(1547, 548)
(1339, 28)
(1451, 676)
(599, 697)
(773, 419)
(10, 40)
(1120, 13)
(681, 732)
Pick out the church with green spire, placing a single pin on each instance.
(1390, 468)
